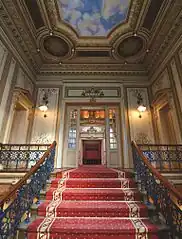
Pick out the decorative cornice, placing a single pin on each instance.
(171, 31)
(159, 68)
(93, 73)
(93, 67)
(16, 55)
(15, 29)
(22, 39)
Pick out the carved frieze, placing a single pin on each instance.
(77, 92)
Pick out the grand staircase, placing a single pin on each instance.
(92, 202)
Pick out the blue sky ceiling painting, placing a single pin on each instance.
(94, 17)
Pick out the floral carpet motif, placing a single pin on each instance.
(92, 202)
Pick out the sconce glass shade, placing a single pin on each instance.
(43, 108)
(141, 108)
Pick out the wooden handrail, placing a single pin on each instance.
(22, 181)
(46, 145)
(175, 145)
(165, 182)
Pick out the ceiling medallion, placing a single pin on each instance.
(130, 46)
(56, 46)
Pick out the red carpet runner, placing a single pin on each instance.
(92, 202)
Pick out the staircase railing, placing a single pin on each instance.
(161, 193)
(20, 156)
(16, 204)
(163, 157)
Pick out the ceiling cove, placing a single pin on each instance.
(92, 18)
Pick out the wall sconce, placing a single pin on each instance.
(141, 107)
(44, 105)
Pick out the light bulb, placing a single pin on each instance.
(141, 108)
(43, 108)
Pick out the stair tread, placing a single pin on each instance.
(93, 205)
(90, 204)
(93, 202)
(95, 183)
(85, 224)
(96, 190)
(93, 208)
(92, 179)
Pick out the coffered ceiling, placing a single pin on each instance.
(66, 37)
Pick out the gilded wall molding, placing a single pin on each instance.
(23, 97)
(178, 66)
(5, 75)
(9, 101)
(175, 95)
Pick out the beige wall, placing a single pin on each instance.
(141, 129)
(24, 82)
(12, 76)
(7, 80)
(166, 90)
(44, 128)
(19, 127)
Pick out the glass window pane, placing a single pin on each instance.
(72, 130)
(112, 129)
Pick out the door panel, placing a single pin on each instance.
(92, 152)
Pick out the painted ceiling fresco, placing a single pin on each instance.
(94, 17)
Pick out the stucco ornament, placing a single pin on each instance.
(43, 139)
(142, 138)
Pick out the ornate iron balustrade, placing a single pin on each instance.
(20, 156)
(15, 206)
(160, 192)
(163, 157)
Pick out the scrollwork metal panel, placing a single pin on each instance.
(12, 212)
(20, 156)
(158, 194)
(164, 157)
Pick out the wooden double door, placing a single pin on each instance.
(92, 152)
